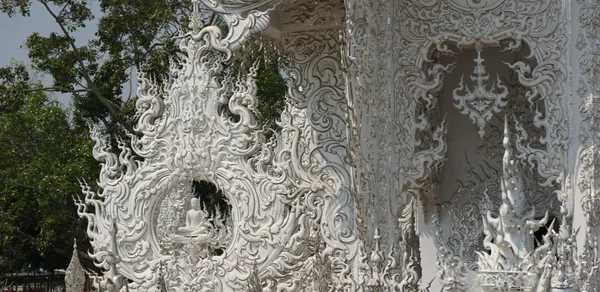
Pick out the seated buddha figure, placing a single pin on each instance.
(196, 222)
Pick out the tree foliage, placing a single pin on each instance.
(42, 156)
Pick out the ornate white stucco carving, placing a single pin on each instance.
(509, 24)
(511, 262)
(283, 196)
(244, 18)
(393, 79)
(316, 85)
(308, 14)
(466, 208)
(588, 178)
(395, 148)
(340, 199)
(397, 269)
(564, 277)
(481, 103)
(467, 205)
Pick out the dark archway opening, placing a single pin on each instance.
(211, 198)
(214, 203)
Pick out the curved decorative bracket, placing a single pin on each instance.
(241, 18)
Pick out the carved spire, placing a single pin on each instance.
(513, 199)
(563, 277)
(376, 261)
(196, 23)
(75, 275)
(113, 281)
(512, 262)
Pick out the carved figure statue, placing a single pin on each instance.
(196, 222)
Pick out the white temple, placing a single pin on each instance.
(426, 145)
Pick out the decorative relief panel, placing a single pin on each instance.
(333, 201)
(513, 260)
(316, 85)
(384, 173)
(508, 24)
(461, 214)
(393, 81)
(286, 199)
(589, 92)
(422, 30)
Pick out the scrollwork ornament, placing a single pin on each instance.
(281, 191)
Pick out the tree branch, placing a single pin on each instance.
(60, 89)
(52, 89)
(105, 102)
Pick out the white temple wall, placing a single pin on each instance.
(386, 160)
(584, 52)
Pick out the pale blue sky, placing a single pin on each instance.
(14, 32)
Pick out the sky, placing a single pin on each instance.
(14, 32)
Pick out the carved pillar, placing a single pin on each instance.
(395, 150)
(310, 36)
(586, 89)
(369, 92)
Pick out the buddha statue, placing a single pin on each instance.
(196, 222)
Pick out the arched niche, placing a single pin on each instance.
(195, 215)
(469, 180)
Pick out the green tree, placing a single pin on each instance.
(41, 159)
(132, 36)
